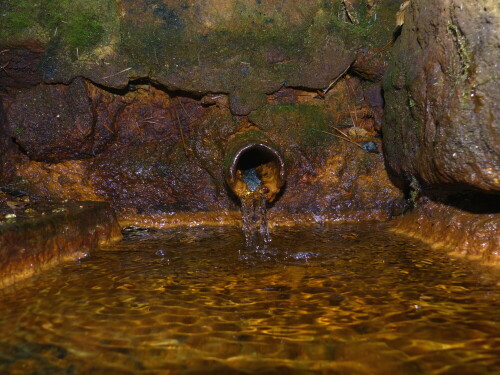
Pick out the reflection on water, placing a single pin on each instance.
(325, 300)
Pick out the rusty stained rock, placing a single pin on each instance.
(31, 244)
(148, 164)
(164, 153)
(474, 236)
(443, 98)
(345, 183)
(57, 122)
(65, 180)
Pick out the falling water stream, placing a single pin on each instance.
(254, 212)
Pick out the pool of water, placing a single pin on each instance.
(344, 299)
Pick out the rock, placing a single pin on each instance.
(51, 123)
(19, 64)
(231, 47)
(370, 65)
(370, 146)
(251, 179)
(242, 103)
(60, 122)
(442, 95)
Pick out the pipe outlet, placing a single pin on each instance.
(253, 164)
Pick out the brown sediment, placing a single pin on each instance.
(475, 236)
(57, 233)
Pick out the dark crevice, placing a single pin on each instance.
(131, 86)
(474, 202)
(19, 147)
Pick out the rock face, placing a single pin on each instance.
(57, 122)
(242, 48)
(133, 102)
(442, 92)
(164, 154)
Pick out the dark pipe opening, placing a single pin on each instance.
(254, 157)
(256, 166)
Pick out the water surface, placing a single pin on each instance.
(345, 299)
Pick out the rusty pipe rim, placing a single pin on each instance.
(233, 167)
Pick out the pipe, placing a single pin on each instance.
(253, 163)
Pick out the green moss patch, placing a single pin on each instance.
(302, 124)
(72, 24)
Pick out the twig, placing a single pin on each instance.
(4, 66)
(222, 104)
(345, 139)
(341, 132)
(353, 97)
(121, 71)
(156, 57)
(184, 109)
(150, 122)
(180, 130)
(336, 79)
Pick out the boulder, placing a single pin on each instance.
(442, 96)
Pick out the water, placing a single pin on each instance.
(254, 220)
(254, 211)
(320, 300)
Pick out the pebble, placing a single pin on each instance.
(370, 146)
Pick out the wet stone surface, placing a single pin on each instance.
(327, 300)
(446, 58)
(36, 234)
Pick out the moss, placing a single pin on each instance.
(73, 24)
(83, 31)
(17, 17)
(464, 55)
(301, 124)
(365, 29)
(251, 34)
(19, 131)
(143, 44)
(22, 18)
